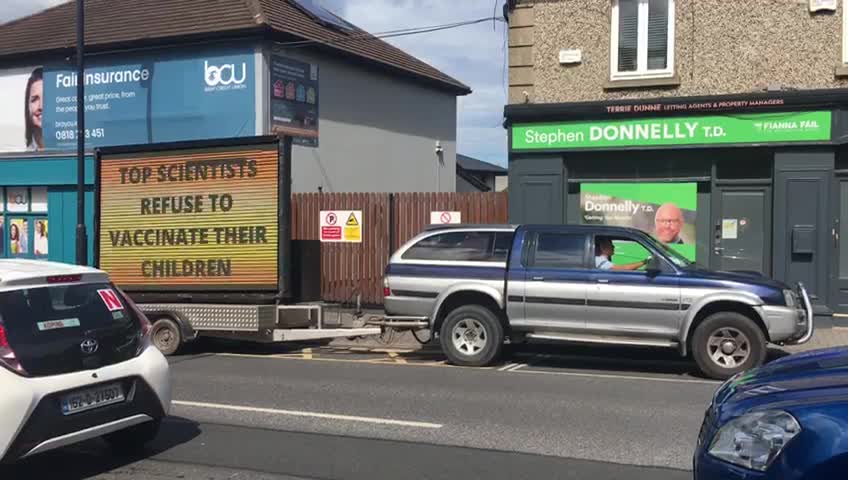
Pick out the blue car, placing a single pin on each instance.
(786, 420)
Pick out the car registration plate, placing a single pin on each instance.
(92, 398)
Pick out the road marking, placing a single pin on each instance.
(516, 367)
(394, 356)
(507, 367)
(301, 413)
(307, 353)
(369, 361)
(623, 377)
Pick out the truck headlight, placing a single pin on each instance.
(754, 440)
(790, 298)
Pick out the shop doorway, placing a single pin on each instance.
(840, 234)
(803, 244)
(742, 229)
(26, 236)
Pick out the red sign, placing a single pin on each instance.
(331, 233)
(110, 299)
(445, 217)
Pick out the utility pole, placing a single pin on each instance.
(82, 237)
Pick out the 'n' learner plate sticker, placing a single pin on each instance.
(110, 299)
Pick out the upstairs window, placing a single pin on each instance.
(642, 39)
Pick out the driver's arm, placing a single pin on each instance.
(631, 266)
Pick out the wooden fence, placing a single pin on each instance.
(389, 220)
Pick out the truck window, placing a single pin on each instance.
(559, 250)
(459, 247)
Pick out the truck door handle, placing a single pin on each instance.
(538, 279)
(603, 280)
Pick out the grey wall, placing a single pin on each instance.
(378, 132)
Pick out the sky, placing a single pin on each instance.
(473, 55)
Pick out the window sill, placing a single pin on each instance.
(673, 81)
(841, 71)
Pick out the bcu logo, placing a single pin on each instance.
(224, 77)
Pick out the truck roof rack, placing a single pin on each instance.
(470, 225)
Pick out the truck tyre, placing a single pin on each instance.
(726, 343)
(472, 336)
(166, 336)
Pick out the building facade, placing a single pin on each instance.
(365, 116)
(718, 126)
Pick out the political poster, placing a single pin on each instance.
(192, 219)
(667, 211)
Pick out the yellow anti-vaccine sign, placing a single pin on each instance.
(190, 218)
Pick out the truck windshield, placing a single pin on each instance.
(673, 255)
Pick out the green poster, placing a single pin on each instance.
(703, 130)
(667, 211)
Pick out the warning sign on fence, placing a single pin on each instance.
(341, 226)
(445, 218)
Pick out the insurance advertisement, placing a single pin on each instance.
(190, 219)
(667, 211)
(131, 99)
(294, 99)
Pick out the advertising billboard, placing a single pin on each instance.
(190, 219)
(294, 99)
(667, 211)
(131, 99)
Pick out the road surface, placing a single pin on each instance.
(319, 414)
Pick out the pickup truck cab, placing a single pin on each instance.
(476, 287)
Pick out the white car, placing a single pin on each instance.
(75, 362)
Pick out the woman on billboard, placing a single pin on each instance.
(34, 110)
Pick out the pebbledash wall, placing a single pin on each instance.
(740, 127)
(351, 121)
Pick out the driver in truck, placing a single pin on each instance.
(605, 249)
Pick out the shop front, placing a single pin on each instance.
(755, 183)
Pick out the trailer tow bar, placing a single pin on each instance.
(390, 326)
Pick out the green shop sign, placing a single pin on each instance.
(706, 130)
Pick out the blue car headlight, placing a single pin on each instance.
(754, 440)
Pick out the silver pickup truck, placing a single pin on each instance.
(476, 287)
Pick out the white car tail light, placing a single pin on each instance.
(387, 292)
(7, 355)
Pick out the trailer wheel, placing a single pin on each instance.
(166, 336)
(472, 336)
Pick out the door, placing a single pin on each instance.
(742, 229)
(840, 237)
(555, 283)
(633, 303)
(803, 244)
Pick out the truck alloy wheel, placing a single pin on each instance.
(469, 336)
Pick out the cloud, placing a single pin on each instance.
(13, 9)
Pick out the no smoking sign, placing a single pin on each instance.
(445, 218)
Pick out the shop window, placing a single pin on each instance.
(17, 199)
(642, 39)
(38, 199)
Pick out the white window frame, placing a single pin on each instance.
(845, 32)
(642, 71)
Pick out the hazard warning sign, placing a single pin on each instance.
(341, 226)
